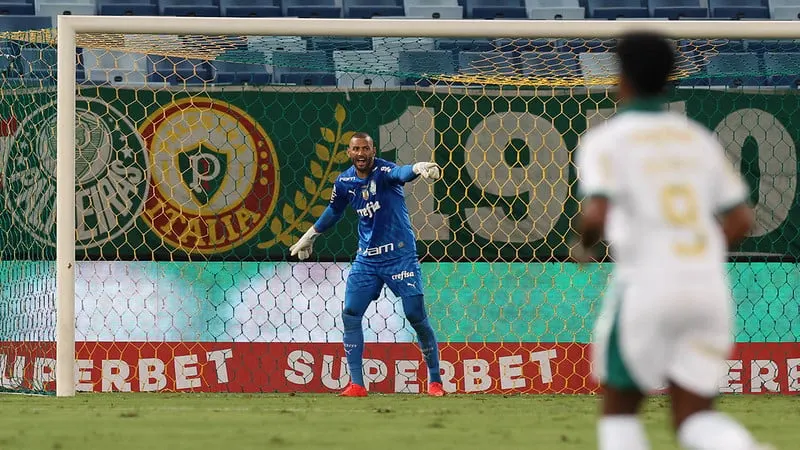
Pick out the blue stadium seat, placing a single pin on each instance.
(785, 12)
(465, 45)
(193, 8)
(127, 8)
(773, 46)
(24, 23)
(312, 8)
(19, 7)
(528, 45)
(339, 43)
(486, 63)
(712, 45)
(176, 71)
(425, 62)
(495, 9)
(366, 69)
(310, 68)
(434, 11)
(365, 9)
(781, 68)
(616, 9)
(57, 8)
(250, 8)
(677, 9)
(550, 64)
(735, 70)
(588, 45)
(557, 13)
(239, 73)
(739, 9)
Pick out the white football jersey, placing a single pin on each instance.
(667, 179)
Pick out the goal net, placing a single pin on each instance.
(202, 150)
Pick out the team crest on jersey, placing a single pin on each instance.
(214, 181)
(365, 193)
(372, 188)
(110, 173)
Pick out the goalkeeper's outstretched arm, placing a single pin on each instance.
(328, 219)
(404, 174)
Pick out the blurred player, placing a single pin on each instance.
(387, 252)
(659, 187)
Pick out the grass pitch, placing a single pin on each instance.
(284, 421)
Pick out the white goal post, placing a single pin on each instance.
(69, 27)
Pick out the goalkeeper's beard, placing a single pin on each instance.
(367, 165)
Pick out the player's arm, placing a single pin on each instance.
(731, 200)
(328, 219)
(597, 186)
(404, 174)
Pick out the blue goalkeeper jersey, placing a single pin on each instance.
(384, 227)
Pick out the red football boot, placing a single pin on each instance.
(354, 390)
(436, 390)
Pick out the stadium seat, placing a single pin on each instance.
(365, 9)
(773, 46)
(486, 63)
(739, 9)
(465, 45)
(677, 9)
(228, 72)
(312, 8)
(127, 8)
(528, 45)
(269, 44)
(735, 70)
(19, 7)
(550, 64)
(304, 68)
(616, 9)
(425, 62)
(596, 66)
(781, 68)
(193, 8)
(24, 23)
(339, 43)
(65, 8)
(785, 13)
(365, 69)
(563, 13)
(250, 8)
(177, 71)
(495, 9)
(434, 12)
(116, 68)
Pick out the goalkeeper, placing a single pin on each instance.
(387, 252)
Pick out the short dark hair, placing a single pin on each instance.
(646, 61)
(362, 135)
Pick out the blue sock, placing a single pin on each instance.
(415, 313)
(354, 346)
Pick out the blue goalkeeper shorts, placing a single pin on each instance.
(366, 279)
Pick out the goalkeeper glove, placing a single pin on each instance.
(427, 170)
(304, 246)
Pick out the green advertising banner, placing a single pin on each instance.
(240, 174)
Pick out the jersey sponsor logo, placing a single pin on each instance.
(372, 188)
(346, 179)
(386, 169)
(110, 173)
(403, 275)
(369, 209)
(214, 181)
(374, 251)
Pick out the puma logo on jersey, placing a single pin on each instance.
(369, 209)
(403, 275)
